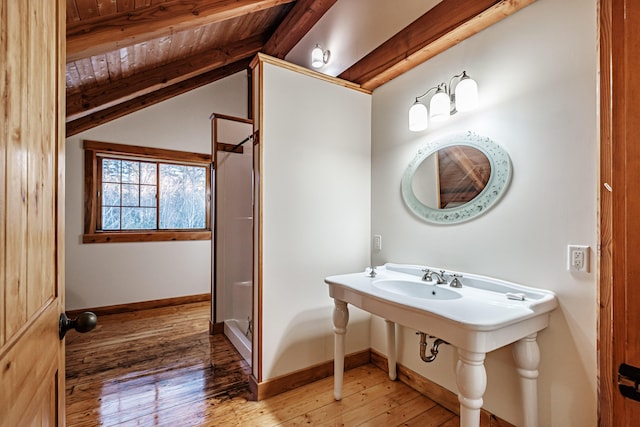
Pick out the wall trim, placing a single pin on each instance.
(144, 305)
(261, 58)
(275, 386)
(611, 68)
(435, 392)
(216, 328)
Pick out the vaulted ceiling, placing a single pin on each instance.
(124, 55)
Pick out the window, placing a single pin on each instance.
(145, 194)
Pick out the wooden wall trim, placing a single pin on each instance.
(258, 90)
(147, 152)
(144, 305)
(231, 118)
(152, 236)
(275, 386)
(435, 392)
(261, 57)
(606, 386)
(216, 328)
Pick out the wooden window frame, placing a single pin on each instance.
(95, 149)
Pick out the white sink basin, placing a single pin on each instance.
(415, 289)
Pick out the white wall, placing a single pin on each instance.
(315, 178)
(536, 71)
(352, 28)
(102, 274)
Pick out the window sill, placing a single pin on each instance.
(148, 236)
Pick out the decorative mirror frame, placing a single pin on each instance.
(495, 188)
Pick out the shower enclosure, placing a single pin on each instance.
(233, 230)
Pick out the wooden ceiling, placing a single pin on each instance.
(124, 55)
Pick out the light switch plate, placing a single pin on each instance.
(377, 242)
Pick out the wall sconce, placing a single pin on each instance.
(319, 57)
(443, 102)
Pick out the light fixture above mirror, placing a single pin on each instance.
(447, 100)
(319, 57)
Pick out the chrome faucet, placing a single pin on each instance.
(428, 276)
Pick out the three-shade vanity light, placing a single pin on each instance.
(446, 100)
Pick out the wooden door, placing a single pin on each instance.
(31, 212)
(619, 326)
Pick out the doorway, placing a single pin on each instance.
(232, 288)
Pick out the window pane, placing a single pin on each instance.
(148, 195)
(111, 218)
(130, 195)
(110, 194)
(111, 169)
(182, 196)
(140, 194)
(148, 173)
(138, 218)
(130, 172)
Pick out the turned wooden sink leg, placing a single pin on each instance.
(391, 348)
(526, 353)
(340, 320)
(471, 378)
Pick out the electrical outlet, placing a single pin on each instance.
(578, 258)
(377, 242)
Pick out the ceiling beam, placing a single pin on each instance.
(98, 98)
(302, 17)
(445, 25)
(97, 36)
(92, 120)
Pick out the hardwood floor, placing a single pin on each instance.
(153, 368)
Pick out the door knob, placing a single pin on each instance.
(83, 323)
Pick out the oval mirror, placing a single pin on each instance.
(456, 178)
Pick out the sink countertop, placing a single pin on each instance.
(483, 305)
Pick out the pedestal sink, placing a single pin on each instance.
(481, 316)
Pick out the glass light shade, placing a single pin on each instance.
(466, 94)
(418, 117)
(440, 106)
(317, 57)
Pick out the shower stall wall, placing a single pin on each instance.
(233, 230)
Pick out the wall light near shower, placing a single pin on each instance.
(446, 100)
(319, 57)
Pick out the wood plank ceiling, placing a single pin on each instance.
(124, 55)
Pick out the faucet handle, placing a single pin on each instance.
(455, 281)
(372, 271)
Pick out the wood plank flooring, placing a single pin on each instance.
(153, 368)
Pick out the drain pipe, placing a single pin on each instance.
(434, 348)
